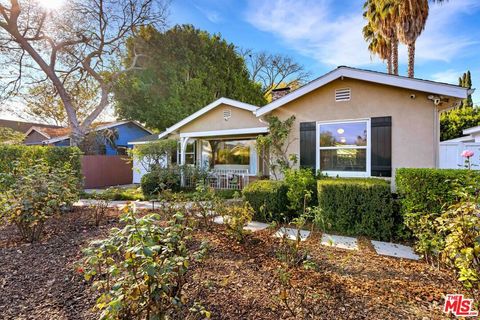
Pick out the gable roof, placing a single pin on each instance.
(22, 126)
(214, 104)
(370, 76)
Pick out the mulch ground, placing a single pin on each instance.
(235, 281)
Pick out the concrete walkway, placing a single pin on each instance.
(341, 242)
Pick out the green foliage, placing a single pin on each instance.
(357, 207)
(10, 136)
(236, 218)
(461, 225)
(184, 69)
(466, 81)
(155, 153)
(268, 199)
(160, 179)
(291, 251)
(277, 143)
(302, 189)
(453, 122)
(205, 201)
(15, 156)
(140, 270)
(424, 193)
(98, 210)
(36, 193)
(116, 194)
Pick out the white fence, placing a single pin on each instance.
(232, 179)
(450, 155)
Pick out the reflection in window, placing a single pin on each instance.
(343, 146)
(221, 153)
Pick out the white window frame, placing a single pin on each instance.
(194, 152)
(351, 174)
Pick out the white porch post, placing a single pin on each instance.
(183, 148)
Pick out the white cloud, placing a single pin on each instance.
(212, 15)
(447, 76)
(334, 37)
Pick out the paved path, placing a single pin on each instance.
(341, 242)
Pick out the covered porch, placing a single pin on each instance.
(229, 158)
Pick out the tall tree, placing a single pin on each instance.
(378, 45)
(410, 23)
(274, 71)
(43, 104)
(75, 42)
(466, 81)
(185, 70)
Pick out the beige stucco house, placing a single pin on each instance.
(349, 122)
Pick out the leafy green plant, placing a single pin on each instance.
(140, 270)
(460, 223)
(36, 193)
(205, 203)
(155, 154)
(236, 218)
(277, 142)
(290, 251)
(357, 207)
(423, 195)
(302, 189)
(268, 199)
(160, 179)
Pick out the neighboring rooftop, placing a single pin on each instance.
(22, 126)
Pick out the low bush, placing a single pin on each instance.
(236, 218)
(116, 194)
(356, 207)
(140, 270)
(268, 199)
(424, 194)
(302, 189)
(13, 157)
(36, 193)
(161, 179)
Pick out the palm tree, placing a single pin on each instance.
(378, 45)
(411, 20)
(381, 17)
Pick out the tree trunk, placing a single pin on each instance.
(389, 65)
(395, 55)
(411, 59)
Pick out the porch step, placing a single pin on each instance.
(291, 233)
(341, 242)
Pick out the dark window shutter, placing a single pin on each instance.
(308, 145)
(381, 131)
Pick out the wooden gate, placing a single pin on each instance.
(101, 171)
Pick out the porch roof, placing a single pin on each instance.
(229, 132)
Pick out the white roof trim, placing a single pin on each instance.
(371, 76)
(37, 130)
(216, 103)
(228, 132)
(471, 130)
(105, 126)
(457, 140)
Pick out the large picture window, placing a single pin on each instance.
(343, 147)
(229, 154)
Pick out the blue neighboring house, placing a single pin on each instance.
(125, 130)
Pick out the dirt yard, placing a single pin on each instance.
(236, 281)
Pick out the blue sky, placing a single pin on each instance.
(322, 34)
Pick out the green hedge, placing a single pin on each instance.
(357, 207)
(160, 179)
(25, 155)
(268, 199)
(423, 193)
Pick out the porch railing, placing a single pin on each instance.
(231, 179)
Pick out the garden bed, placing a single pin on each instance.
(236, 281)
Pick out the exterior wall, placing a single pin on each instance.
(213, 120)
(34, 138)
(414, 121)
(126, 132)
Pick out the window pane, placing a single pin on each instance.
(232, 152)
(190, 146)
(343, 160)
(343, 134)
(189, 158)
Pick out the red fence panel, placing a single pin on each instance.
(104, 171)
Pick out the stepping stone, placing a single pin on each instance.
(219, 220)
(341, 242)
(394, 250)
(256, 226)
(292, 234)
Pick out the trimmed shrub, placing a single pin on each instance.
(15, 156)
(424, 194)
(160, 179)
(268, 199)
(302, 189)
(356, 207)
